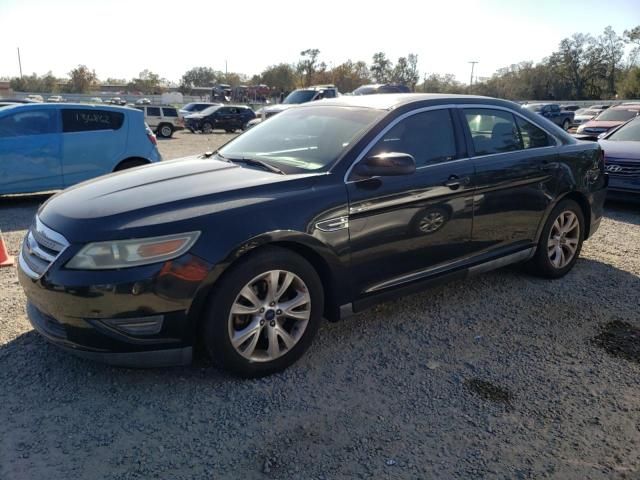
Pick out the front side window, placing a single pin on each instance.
(80, 120)
(428, 137)
(299, 96)
(31, 122)
(153, 111)
(303, 139)
(492, 131)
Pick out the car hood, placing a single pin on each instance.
(621, 150)
(193, 116)
(149, 198)
(601, 124)
(280, 107)
(583, 117)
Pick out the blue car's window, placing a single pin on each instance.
(81, 120)
(31, 122)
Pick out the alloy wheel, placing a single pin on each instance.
(166, 131)
(269, 316)
(564, 239)
(431, 222)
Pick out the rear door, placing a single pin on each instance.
(93, 142)
(404, 228)
(515, 163)
(30, 151)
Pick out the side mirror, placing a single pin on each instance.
(386, 165)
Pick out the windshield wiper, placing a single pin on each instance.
(255, 162)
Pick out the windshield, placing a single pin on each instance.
(617, 115)
(364, 90)
(534, 107)
(300, 96)
(303, 139)
(627, 133)
(210, 110)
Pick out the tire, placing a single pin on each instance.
(134, 162)
(230, 130)
(207, 127)
(548, 262)
(565, 125)
(230, 312)
(165, 130)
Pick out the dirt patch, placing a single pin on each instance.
(620, 339)
(489, 391)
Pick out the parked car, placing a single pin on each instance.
(605, 121)
(143, 101)
(584, 115)
(117, 101)
(163, 119)
(55, 99)
(11, 101)
(95, 100)
(50, 146)
(552, 112)
(301, 95)
(570, 108)
(225, 117)
(324, 210)
(35, 98)
(195, 107)
(622, 158)
(381, 88)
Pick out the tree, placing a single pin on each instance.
(446, 83)
(629, 86)
(147, 82)
(81, 80)
(197, 77)
(308, 65)
(115, 81)
(381, 68)
(282, 77)
(406, 71)
(579, 61)
(350, 75)
(633, 37)
(612, 47)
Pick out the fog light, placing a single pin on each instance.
(136, 326)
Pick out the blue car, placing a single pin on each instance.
(622, 158)
(52, 146)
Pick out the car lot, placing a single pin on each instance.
(502, 376)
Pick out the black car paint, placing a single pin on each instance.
(222, 118)
(239, 209)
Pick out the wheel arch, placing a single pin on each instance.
(581, 199)
(121, 163)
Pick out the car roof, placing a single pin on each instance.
(627, 106)
(390, 101)
(40, 106)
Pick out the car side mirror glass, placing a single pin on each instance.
(386, 165)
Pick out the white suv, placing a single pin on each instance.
(163, 119)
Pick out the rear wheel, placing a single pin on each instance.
(560, 242)
(230, 130)
(132, 162)
(264, 313)
(207, 127)
(165, 130)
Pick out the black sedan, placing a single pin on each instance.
(224, 117)
(323, 211)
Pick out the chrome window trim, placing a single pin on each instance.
(371, 144)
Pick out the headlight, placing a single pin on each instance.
(132, 253)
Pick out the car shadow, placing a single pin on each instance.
(56, 395)
(627, 212)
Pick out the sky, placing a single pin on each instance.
(120, 38)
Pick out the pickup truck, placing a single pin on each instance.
(551, 111)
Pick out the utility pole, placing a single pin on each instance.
(473, 64)
(225, 68)
(19, 62)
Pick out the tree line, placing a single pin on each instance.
(583, 67)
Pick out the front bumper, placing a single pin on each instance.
(136, 317)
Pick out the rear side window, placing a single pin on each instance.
(79, 120)
(31, 122)
(427, 136)
(492, 131)
(169, 112)
(532, 136)
(153, 111)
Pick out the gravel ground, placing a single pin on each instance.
(501, 376)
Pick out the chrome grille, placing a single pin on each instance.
(40, 248)
(620, 168)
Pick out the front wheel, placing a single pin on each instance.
(560, 242)
(264, 313)
(165, 131)
(207, 127)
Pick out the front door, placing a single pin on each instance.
(405, 228)
(30, 151)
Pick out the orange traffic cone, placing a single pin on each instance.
(5, 259)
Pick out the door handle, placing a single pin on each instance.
(455, 182)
